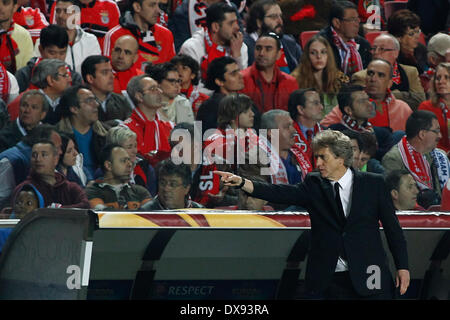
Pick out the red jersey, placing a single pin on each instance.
(31, 19)
(97, 17)
(155, 46)
(152, 135)
(121, 78)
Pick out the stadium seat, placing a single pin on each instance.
(371, 35)
(305, 36)
(391, 6)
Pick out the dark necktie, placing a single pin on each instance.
(338, 199)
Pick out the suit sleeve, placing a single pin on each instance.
(281, 193)
(79, 198)
(392, 229)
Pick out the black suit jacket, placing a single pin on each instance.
(358, 234)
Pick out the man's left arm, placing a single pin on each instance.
(78, 198)
(395, 237)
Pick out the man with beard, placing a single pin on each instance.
(79, 110)
(98, 75)
(123, 57)
(221, 38)
(155, 41)
(265, 16)
(265, 83)
(115, 190)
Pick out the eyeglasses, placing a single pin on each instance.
(152, 89)
(172, 184)
(357, 19)
(174, 81)
(65, 75)
(90, 100)
(382, 50)
(413, 32)
(274, 16)
(436, 131)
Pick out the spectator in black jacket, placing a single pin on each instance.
(33, 108)
(351, 51)
(265, 16)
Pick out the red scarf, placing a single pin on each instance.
(8, 49)
(213, 51)
(302, 142)
(282, 62)
(352, 61)
(416, 163)
(396, 74)
(277, 169)
(4, 83)
(353, 125)
(381, 118)
(195, 97)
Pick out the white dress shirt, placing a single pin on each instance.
(345, 192)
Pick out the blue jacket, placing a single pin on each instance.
(19, 156)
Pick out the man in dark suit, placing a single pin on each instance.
(346, 258)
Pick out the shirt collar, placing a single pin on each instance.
(346, 179)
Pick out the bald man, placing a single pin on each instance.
(123, 60)
(406, 84)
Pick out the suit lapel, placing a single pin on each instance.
(357, 194)
(329, 195)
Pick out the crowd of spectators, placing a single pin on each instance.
(97, 113)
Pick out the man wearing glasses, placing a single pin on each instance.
(79, 110)
(265, 16)
(417, 153)
(173, 188)
(351, 51)
(406, 85)
(176, 108)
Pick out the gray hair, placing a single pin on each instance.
(45, 68)
(119, 134)
(338, 143)
(268, 118)
(26, 94)
(394, 40)
(134, 86)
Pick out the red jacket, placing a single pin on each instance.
(281, 87)
(121, 78)
(160, 50)
(444, 143)
(151, 135)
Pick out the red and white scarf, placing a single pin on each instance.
(8, 49)
(196, 15)
(4, 83)
(352, 124)
(195, 97)
(396, 74)
(352, 60)
(301, 141)
(213, 51)
(381, 118)
(416, 163)
(277, 169)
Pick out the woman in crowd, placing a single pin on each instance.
(317, 69)
(71, 161)
(439, 103)
(405, 26)
(143, 173)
